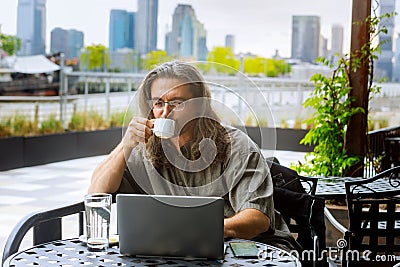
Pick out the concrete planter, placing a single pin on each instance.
(49, 148)
(96, 143)
(11, 152)
(17, 152)
(279, 138)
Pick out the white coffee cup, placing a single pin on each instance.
(164, 128)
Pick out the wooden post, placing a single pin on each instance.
(356, 136)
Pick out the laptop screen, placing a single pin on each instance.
(171, 226)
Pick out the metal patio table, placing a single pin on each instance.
(72, 252)
(333, 187)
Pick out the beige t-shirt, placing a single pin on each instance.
(243, 180)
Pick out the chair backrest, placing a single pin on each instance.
(374, 214)
(287, 178)
(302, 211)
(391, 156)
(47, 226)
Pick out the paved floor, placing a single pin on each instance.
(29, 189)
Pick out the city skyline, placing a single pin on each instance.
(260, 28)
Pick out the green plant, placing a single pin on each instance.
(284, 123)
(51, 125)
(77, 122)
(21, 126)
(95, 57)
(333, 109)
(249, 121)
(6, 127)
(9, 43)
(383, 123)
(297, 123)
(117, 119)
(87, 121)
(262, 122)
(95, 121)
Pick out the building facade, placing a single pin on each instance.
(306, 32)
(146, 26)
(187, 38)
(230, 42)
(337, 39)
(75, 43)
(396, 66)
(69, 42)
(31, 27)
(121, 29)
(131, 30)
(384, 64)
(323, 47)
(59, 41)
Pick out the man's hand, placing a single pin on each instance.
(107, 176)
(138, 131)
(246, 224)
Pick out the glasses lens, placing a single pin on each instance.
(160, 104)
(177, 105)
(156, 104)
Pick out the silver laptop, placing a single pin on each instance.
(171, 226)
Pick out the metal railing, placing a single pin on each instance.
(110, 92)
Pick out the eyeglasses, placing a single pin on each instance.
(160, 104)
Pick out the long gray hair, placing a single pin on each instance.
(206, 126)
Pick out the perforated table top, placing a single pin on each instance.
(69, 253)
(331, 188)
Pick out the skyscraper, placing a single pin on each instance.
(75, 43)
(31, 27)
(59, 41)
(323, 47)
(188, 37)
(122, 29)
(146, 26)
(230, 42)
(131, 30)
(384, 64)
(306, 32)
(396, 66)
(201, 50)
(69, 42)
(337, 39)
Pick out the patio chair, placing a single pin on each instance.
(47, 226)
(284, 177)
(374, 221)
(302, 211)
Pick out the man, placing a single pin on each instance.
(202, 158)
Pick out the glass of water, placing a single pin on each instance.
(98, 211)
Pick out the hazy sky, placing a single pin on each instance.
(259, 26)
